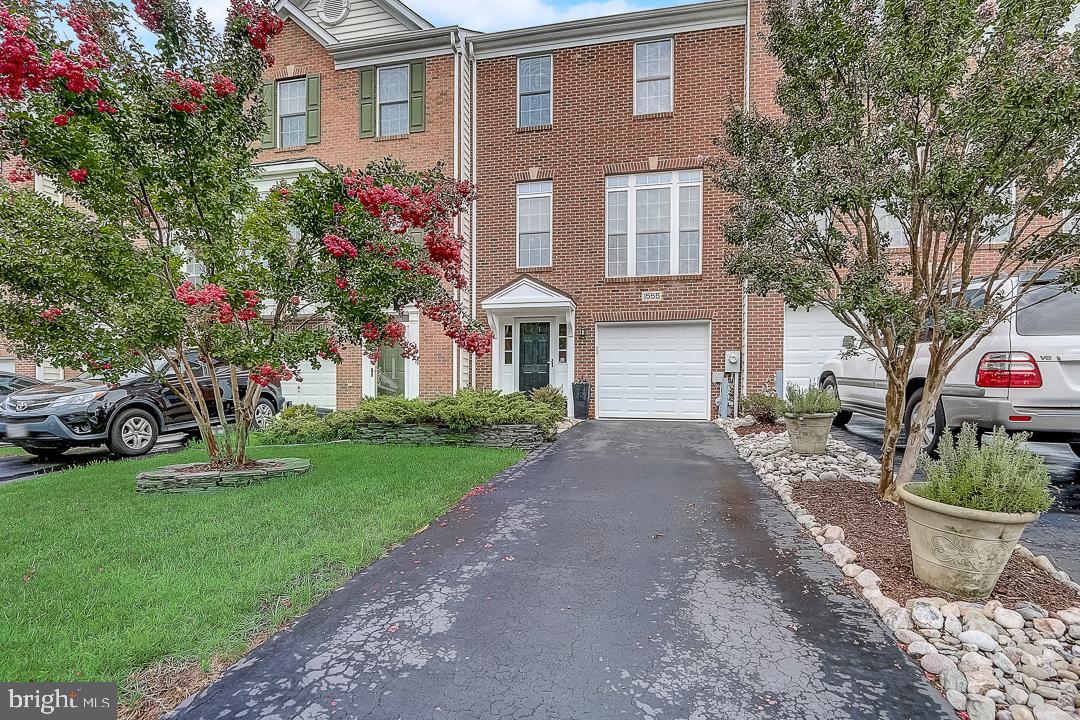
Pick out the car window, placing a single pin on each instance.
(1048, 311)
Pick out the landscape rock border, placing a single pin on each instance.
(182, 479)
(991, 662)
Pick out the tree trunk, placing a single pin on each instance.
(894, 420)
(935, 382)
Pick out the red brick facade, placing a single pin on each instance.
(594, 133)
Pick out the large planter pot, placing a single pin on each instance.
(582, 392)
(809, 434)
(958, 550)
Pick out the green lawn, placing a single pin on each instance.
(96, 582)
(10, 451)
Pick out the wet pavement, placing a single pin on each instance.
(633, 569)
(17, 467)
(1057, 532)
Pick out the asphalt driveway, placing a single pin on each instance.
(632, 570)
(24, 465)
(1056, 532)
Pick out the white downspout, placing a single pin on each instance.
(745, 284)
(455, 357)
(472, 178)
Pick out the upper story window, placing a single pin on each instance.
(394, 100)
(534, 224)
(653, 77)
(534, 91)
(890, 226)
(292, 113)
(654, 224)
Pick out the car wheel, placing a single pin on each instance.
(47, 453)
(1075, 448)
(264, 414)
(133, 433)
(844, 416)
(935, 426)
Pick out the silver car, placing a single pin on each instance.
(1024, 376)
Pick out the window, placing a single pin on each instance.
(508, 345)
(562, 342)
(534, 224)
(1003, 224)
(654, 224)
(390, 372)
(652, 77)
(393, 100)
(891, 227)
(292, 113)
(534, 91)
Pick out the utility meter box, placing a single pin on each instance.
(733, 361)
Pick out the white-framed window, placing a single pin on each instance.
(508, 344)
(534, 224)
(292, 113)
(653, 72)
(393, 105)
(1004, 223)
(890, 226)
(534, 91)
(654, 224)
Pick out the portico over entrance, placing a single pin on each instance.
(534, 337)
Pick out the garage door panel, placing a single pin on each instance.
(319, 387)
(653, 370)
(811, 336)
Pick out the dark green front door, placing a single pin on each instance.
(534, 366)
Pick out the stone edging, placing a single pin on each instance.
(175, 478)
(990, 662)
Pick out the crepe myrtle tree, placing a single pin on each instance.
(922, 147)
(162, 250)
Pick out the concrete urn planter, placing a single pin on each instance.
(958, 550)
(809, 434)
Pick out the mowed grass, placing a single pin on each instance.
(96, 582)
(5, 451)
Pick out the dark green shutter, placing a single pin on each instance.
(269, 116)
(367, 102)
(314, 98)
(417, 85)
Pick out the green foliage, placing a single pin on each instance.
(999, 476)
(764, 406)
(466, 410)
(552, 397)
(810, 401)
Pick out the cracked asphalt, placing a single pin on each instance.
(632, 569)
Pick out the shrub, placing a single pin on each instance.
(999, 476)
(764, 406)
(811, 401)
(296, 428)
(552, 397)
(473, 408)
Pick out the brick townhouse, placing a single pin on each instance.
(595, 248)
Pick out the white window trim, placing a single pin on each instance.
(550, 194)
(379, 102)
(631, 222)
(1006, 231)
(671, 76)
(277, 119)
(550, 90)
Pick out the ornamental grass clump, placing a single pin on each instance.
(998, 476)
(811, 401)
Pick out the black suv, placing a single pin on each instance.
(127, 417)
(10, 382)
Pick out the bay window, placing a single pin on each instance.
(654, 224)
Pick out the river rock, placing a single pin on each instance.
(1047, 711)
(1030, 610)
(980, 681)
(1009, 619)
(852, 569)
(980, 708)
(1049, 626)
(897, 618)
(1021, 712)
(936, 663)
(869, 579)
(833, 533)
(953, 679)
(957, 699)
(979, 639)
(1070, 616)
(907, 636)
(925, 615)
(974, 662)
(953, 626)
(1003, 663)
(841, 554)
(920, 648)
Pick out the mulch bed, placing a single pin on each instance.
(771, 428)
(877, 531)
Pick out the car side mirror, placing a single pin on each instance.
(849, 342)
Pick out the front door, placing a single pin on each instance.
(534, 367)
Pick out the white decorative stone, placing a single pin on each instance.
(980, 708)
(833, 533)
(897, 618)
(1009, 619)
(979, 639)
(1046, 711)
(925, 615)
(840, 553)
(852, 569)
(1071, 616)
(980, 681)
(920, 648)
(869, 578)
(1050, 626)
(936, 663)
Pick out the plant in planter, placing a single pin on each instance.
(965, 519)
(808, 414)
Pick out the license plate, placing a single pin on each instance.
(17, 431)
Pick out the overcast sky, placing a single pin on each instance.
(491, 15)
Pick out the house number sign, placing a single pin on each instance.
(652, 296)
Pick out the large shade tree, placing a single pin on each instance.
(162, 256)
(922, 147)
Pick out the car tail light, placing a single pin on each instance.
(1008, 370)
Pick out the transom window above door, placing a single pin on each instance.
(534, 224)
(654, 224)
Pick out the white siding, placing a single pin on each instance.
(365, 19)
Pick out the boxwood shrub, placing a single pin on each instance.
(464, 411)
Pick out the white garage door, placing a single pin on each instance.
(7, 365)
(811, 337)
(653, 370)
(319, 387)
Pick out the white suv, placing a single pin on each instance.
(1024, 376)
